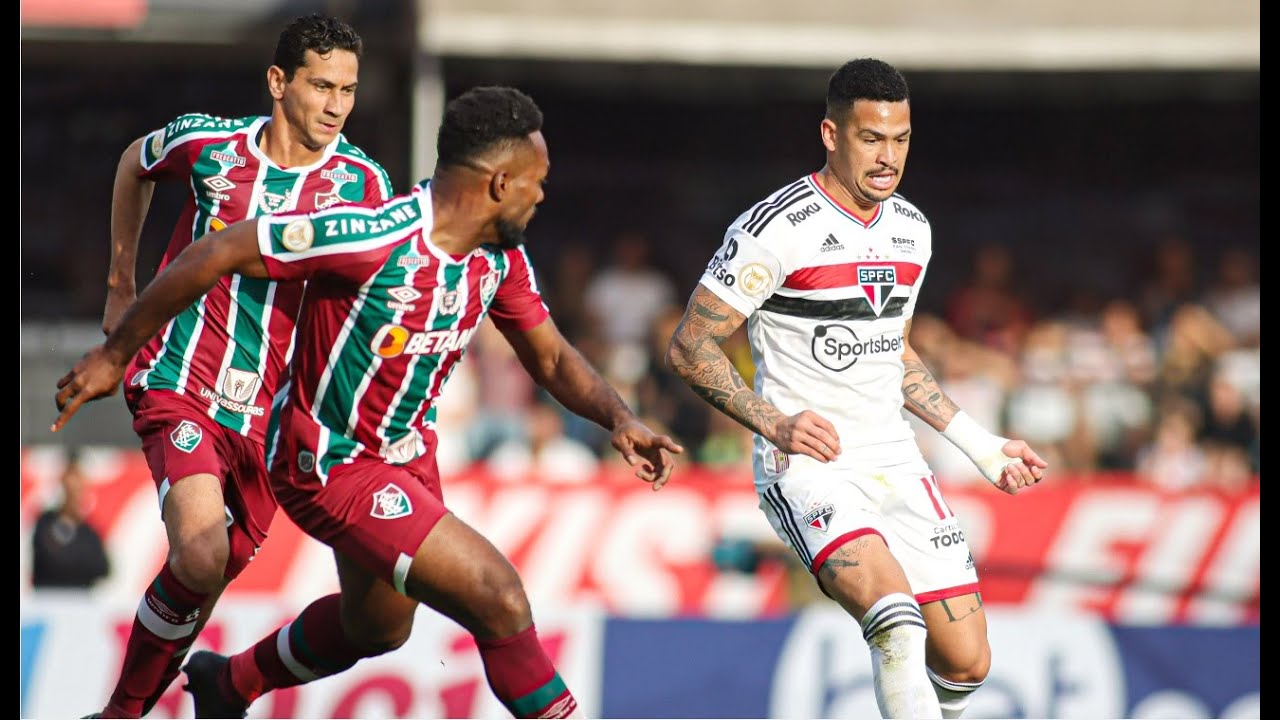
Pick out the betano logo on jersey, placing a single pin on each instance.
(392, 341)
(877, 283)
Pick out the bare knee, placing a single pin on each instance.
(968, 666)
(200, 564)
(505, 608)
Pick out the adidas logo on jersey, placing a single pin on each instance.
(830, 243)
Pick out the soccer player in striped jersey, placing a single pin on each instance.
(200, 391)
(394, 294)
(826, 272)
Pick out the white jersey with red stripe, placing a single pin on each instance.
(827, 297)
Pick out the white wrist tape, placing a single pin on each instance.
(983, 448)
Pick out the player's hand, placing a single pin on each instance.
(118, 300)
(1026, 470)
(807, 433)
(97, 375)
(648, 452)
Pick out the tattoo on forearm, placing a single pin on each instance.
(955, 611)
(702, 364)
(925, 395)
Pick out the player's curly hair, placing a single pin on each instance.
(864, 79)
(482, 119)
(317, 32)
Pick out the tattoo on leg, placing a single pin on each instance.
(957, 614)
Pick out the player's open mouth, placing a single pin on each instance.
(881, 182)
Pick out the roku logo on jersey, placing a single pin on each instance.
(837, 348)
(392, 341)
(799, 216)
(913, 214)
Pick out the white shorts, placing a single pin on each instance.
(815, 509)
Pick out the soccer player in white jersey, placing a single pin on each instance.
(826, 272)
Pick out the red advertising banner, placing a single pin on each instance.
(1102, 545)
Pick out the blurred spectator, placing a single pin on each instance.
(1230, 435)
(1042, 408)
(1235, 296)
(988, 309)
(504, 391)
(1173, 460)
(977, 378)
(574, 267)
(1113, 363)
(727, 445)
(623, 300)
(66, 551)
(1170, 282)
(457, 411)
(543, 451)
(1192, 346)
(666, 397)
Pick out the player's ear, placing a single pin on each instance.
(829, 130)
(499, 183)
(276, 81)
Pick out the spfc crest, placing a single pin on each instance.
(877, 282)
(820, 518)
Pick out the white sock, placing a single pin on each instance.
(953, 697)
(895, 633)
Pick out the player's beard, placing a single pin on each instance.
(510, 235)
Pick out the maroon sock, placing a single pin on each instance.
(314, 646)
(163, 628)
(523, 678)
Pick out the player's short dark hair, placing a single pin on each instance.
(320, 33)
(482, 119)
(864, 79)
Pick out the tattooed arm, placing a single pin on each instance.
(922, 394)
(696, 356)
(1008, 464)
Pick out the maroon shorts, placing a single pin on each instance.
(179, 440)
(371, 511)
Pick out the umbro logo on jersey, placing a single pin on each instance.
(830, 243)
(218, 183)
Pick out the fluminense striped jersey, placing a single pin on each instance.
(230, 348)
(827, 297)
(386, 318)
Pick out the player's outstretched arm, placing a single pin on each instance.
(1008, 464)
(565, 373)
(695, 354)
(130, 201)
(189, 276)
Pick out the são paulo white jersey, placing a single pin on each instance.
(827, 297)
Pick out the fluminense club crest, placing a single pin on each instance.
(186, 436)
(390, 503)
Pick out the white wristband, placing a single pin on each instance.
(985, 449)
